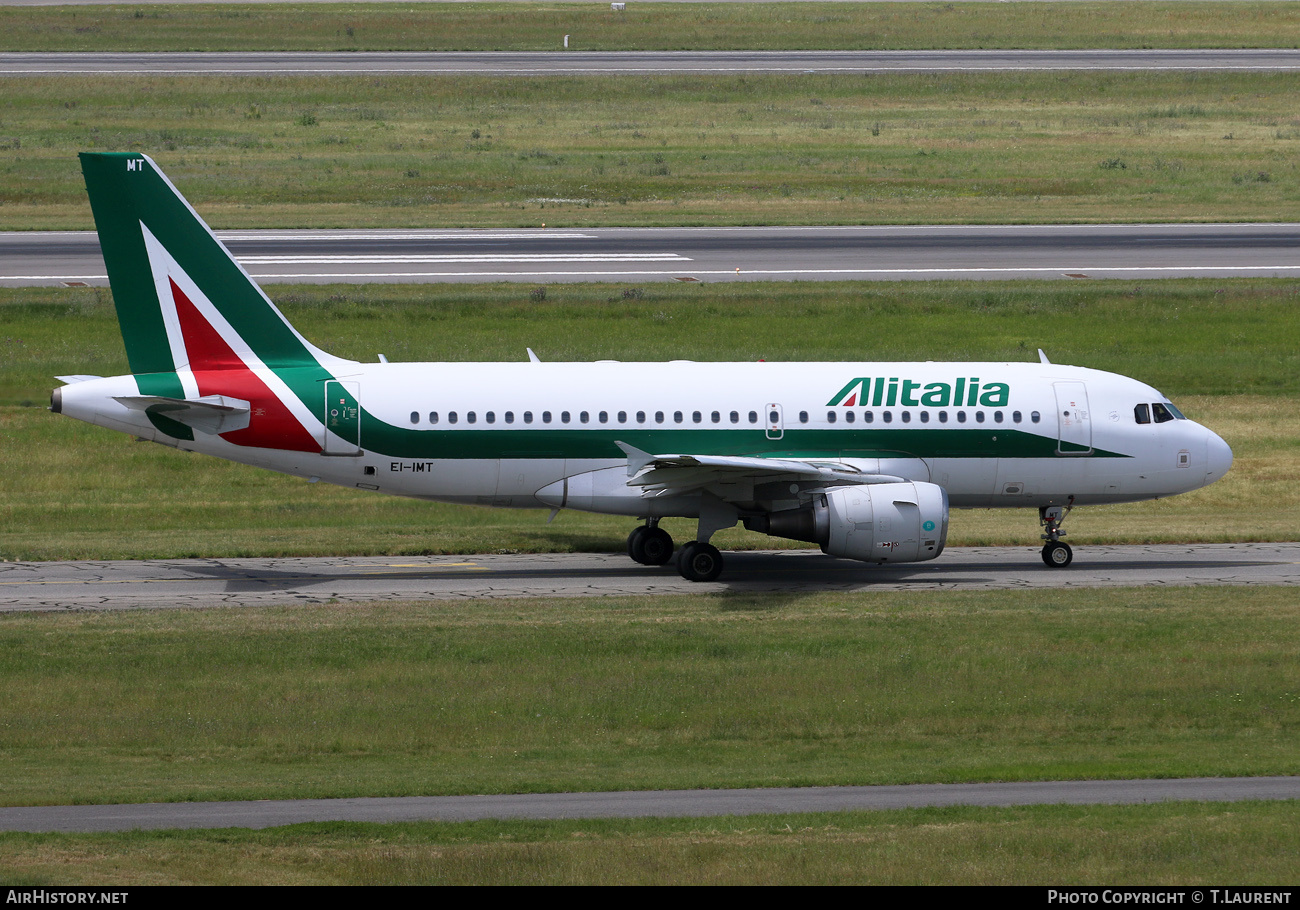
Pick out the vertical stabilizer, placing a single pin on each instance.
(182, 300)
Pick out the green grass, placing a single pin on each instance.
(473, 151)
(648, 26)
(1225, 350)
(1179, 844)
(714, 691)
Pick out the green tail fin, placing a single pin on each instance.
(161, 257)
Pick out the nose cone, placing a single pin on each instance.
(1218, 458)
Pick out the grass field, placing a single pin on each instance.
(647, 26)
(712, 691)
(1226, 351)
(548, 695)
(460, 151)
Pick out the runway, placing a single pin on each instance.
(887, 253)
(638, 804)
(641, 63)
(161, 584)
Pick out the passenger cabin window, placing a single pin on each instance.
(415, 417)
(753, 416)
(1142, 414)
(528, 416)
(433, 417)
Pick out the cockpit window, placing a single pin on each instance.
(1142, 414)
(1173, 410)
(1161, 413)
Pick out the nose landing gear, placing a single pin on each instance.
(1056, 555)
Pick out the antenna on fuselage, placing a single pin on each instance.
(533, 358)
(1042, 358)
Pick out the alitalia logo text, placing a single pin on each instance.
(879, 392)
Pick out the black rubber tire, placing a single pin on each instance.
(656, 547)
(699, 561)
(1057, 555)
(636, 544)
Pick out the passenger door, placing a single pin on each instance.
(1074, 427)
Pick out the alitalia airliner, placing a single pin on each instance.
(865, 459)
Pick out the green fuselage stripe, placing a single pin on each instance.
(382, 438)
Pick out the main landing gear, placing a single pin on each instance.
(1056, 555)
(699, 561)
(651, 545)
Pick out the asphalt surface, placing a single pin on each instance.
(587, 63)
(638, 804)
(707, 254)
(160, 584)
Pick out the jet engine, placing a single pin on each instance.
(885, 522)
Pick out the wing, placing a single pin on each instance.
(660, 475)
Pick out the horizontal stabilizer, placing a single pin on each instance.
(210, 414)
(79, 377)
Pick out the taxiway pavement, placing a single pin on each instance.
(264, 582)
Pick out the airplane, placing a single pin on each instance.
(864, 459)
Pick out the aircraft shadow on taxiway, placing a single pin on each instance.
(755, 572)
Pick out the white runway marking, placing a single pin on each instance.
(466, 257)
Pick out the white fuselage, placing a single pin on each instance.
(543, 434)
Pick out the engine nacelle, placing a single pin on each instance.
(883, 522)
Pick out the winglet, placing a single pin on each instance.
(636, 458)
